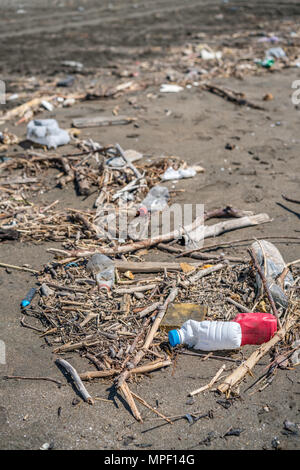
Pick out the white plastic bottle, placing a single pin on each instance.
(207, 335)
(103, 270)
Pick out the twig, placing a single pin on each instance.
(202, 273)
(49, 379)
(141, 400)
(19, 268)
(210, 384)
(149, 367)
(239, 306)
(128, 163)
(171, 297)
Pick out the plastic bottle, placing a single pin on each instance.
(272, 265)
(156, 200)
(103, 270)
(28, 299)
(246, 328)
(171, 174)
(47, 132)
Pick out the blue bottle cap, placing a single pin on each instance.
(174, 338)
(25, 303)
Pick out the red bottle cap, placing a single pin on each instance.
(143, 211)
(257, 327)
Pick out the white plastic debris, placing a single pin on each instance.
(47, 132)
(276, 52)
(210, 55)
(171, 174)
(131, 155)
(47, 105)
(169, 88)
(73, 64)
(295, 358)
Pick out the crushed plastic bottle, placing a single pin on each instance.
(156, 200)
(246, 328)
(276, 52)
(272, 265)
(47, 132)
(103, 270)
(171, 174)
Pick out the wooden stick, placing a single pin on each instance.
(149, 367)
(150, 266)
(149, 309)
(202, 273)
(79, 385)
(232, 96)
(248, 365)
(129, 398)
(128, 163)
(49, 379)
(19, 268)
(131, 290)
(264, 281)
(281, 278)
(210, 231)
(239, 306)
(210, 384)
(171, 297)
(141, 400)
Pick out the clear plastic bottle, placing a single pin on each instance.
(272, 265)
(156, 200)
(103, 270)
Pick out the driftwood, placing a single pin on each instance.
(121, 381)
(129, 398)
(210, 231)
(140, 354)
(149, 367)
(233, 96)
(19, 268)
(234, 378)
(202, 273)
(229, 225)
(132, 290)
(79, 385)
(128, 162)
(150, 266)
(100, 121)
